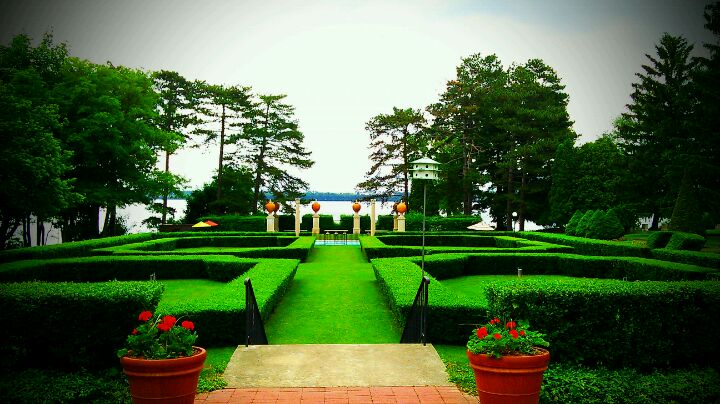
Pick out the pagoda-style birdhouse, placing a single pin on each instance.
(425, 169)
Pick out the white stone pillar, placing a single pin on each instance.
(297, 217)
(277, 221)
(271, 223)
(395, 221)
(356, 223)
(316, 223)
(401, 223)
(372, 217)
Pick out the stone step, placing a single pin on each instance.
(331, 365)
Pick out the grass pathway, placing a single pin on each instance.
(334, 299)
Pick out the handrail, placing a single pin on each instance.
(254, 328)
(416, 327)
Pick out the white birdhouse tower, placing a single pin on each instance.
(425, 169)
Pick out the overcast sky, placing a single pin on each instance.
(343, 62)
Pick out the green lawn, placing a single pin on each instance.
(473, 286)
(334, 299)
(183, 290)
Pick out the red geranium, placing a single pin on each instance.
(498, 338)
(514, 334)
(511, 325)
(160, 337)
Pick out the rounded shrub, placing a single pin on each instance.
(595, 223)
(607, 227)
(658, 239)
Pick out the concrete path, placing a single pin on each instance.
(329, 365)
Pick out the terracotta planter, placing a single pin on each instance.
(510, 379)
(164, 380)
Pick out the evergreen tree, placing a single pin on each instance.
(571, 227)
(395, 141)
(584, 224)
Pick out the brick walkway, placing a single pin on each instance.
(339, 395)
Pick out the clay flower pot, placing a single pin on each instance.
(512, 379)
(164, 380)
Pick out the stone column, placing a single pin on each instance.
(277, 221)
(401, 223)
(356, 223)
(372, 217)
(297, 217)
(271, 223)
(316, 223)
(395, 221)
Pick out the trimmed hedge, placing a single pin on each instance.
(374, 247)
(221, 321)
(685, 241)
(97, 269)
(298, 249)
(449, 315)
(236, 223)
(70, 324)
(452, 315)
(710, 260)
(616, 323)
(72, 249)
(658, 239)
(446, 266)
(588, 246)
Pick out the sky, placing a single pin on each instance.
(343, 62)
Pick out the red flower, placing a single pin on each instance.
(134, 331)
(170, 320)
(482, 332)
(511, 325)
(164, 327)
(145, 316)
(495, 321)
(522, 332)
(497, 336)
(188, 324)
(514, 334)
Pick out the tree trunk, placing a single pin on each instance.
(40, 231)
(259, 162)
(406, 181)
(655, 218)
(26, 232)
(222, 151)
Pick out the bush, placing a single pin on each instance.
(384, 222)
(594, 224)
(685, 241)
(586, 246)
(584, 224)
(607, 226)
(658, 239)
(641, 324)
(99, 269)
(72, 249)
(572, 224)
(710, 260)
(52, 386)
(220, 321)
(70, 324)
(236, 223)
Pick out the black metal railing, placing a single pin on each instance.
(416, 327)
(254, 327)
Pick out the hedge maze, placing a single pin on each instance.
(72, 305)
(619, 306)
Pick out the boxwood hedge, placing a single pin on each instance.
(69, 324)
(221, 320)
(106, 268)
(73, 249)
(570, 301)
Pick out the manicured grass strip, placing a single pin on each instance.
(334, 299)
(215, 364)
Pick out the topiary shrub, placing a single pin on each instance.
(606, 226)
(572, 224)
(584, 223)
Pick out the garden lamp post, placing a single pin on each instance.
(424, 169)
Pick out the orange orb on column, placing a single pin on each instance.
(401, 208)
(270, 206)
(315, 207)
(356, 207)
